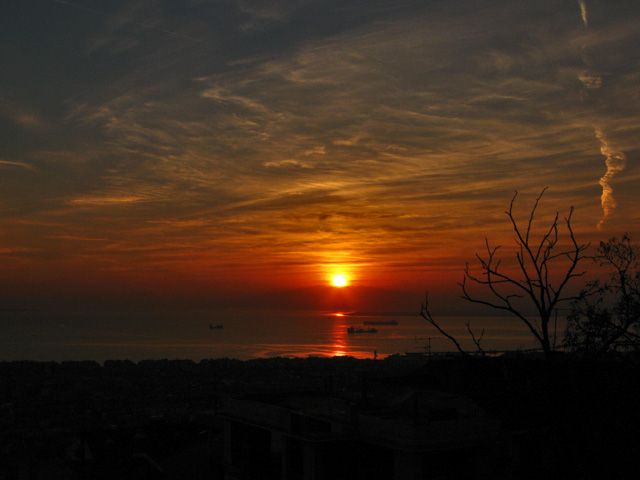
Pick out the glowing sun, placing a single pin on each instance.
(339, 280)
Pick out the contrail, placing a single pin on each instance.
(583, 11)
(616, 160)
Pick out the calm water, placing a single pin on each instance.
(145, 334)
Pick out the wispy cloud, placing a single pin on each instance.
(296, 133)
(101, 200)
(23, 116)
(583, 12)
(17, 164)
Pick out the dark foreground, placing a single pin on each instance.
(564, 418)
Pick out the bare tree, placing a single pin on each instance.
(606, 317)
(544, 269)
(426, 314)
(476, 340)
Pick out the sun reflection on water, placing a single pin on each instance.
(338, 334)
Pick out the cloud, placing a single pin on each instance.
(220, 95)
(23, 116)
(299, 130)
(590, 80)
(100, 200)
(616, 162)
(615, 159)
(583, 12)
(136, 14)
(287, 163)
(17, 164)
(16, 250)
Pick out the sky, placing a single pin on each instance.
(207, 151)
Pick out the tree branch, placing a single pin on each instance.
(426, 314)
(538, 264)
(476, 341)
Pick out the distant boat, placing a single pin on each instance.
(380, 322)
(215, 327)
(361, 330)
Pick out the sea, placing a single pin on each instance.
(244, 334)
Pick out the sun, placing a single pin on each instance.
(339, 280)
